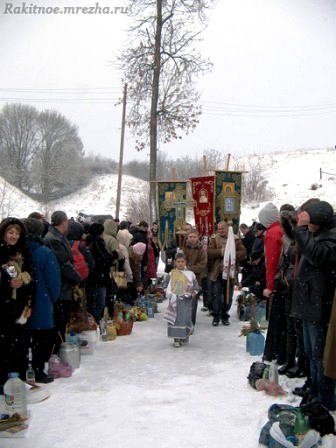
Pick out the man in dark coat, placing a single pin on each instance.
(314, 289)
(56, 240)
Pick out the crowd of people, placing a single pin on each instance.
(47, 266)
(287, 258)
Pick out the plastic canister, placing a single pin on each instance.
(89, 342)
(15, 395)
(69, 353)
(256, 343)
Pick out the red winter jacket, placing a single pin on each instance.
(273, 246)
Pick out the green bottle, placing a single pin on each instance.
(301, 426)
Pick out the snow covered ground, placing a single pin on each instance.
(139, 391)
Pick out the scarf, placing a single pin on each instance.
(229, 260)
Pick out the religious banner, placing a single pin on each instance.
(228, 197)
(202, 190)
(172, 205)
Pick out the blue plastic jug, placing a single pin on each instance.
(256, 343)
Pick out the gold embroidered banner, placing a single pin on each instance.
(202, 190)
(228, 197)
(171, 204)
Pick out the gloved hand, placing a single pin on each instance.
(115, 254)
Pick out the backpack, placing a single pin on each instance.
(285, 414)
(319, 417)
(79, 261)
(256, 373)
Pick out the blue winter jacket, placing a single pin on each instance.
(48, 285)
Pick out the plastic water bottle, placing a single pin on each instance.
(150, 309)
(30, 374)
(103, 330)
(248, 342)
(15, 395)
(273, 372)
(256, 343)
(301, 426)
(73, 339)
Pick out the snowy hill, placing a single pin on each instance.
(290, 177)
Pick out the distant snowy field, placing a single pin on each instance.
(289, 175)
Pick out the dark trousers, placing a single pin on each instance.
(61, 316)
(275, 345)
(13, 355)
(42, 344)
(194, 305)
(322, 387)
(220, 302)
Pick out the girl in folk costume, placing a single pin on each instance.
(181, 287)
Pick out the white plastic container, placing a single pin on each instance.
(89, 342)
(15, 395)
(70, 353)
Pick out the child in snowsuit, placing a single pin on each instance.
(180, 286)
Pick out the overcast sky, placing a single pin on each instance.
(272, 86)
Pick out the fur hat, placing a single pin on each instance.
(96, 229)
(321, 213)
(34, 226)
(139, 248)
(269, 214)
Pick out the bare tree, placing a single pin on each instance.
(58, 163)
(160, 68)
(216, 160)
(8, 200)
(138, 207)
(18, 142)
(254, 185)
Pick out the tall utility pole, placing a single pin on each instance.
(121, 155)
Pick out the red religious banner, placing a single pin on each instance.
(202, 190)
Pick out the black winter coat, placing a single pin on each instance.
(100, 274)
(314, 284)
(58, 243)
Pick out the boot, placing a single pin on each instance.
(284, 369)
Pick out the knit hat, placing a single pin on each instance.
(33, 226)
(321, 213)
(75, 231)
(96, 229)
(139, 248)
(268, 215)
(259, 226)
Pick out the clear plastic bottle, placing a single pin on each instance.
(103, 330)
(273, 372)
(15, 395)
(30, 374)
